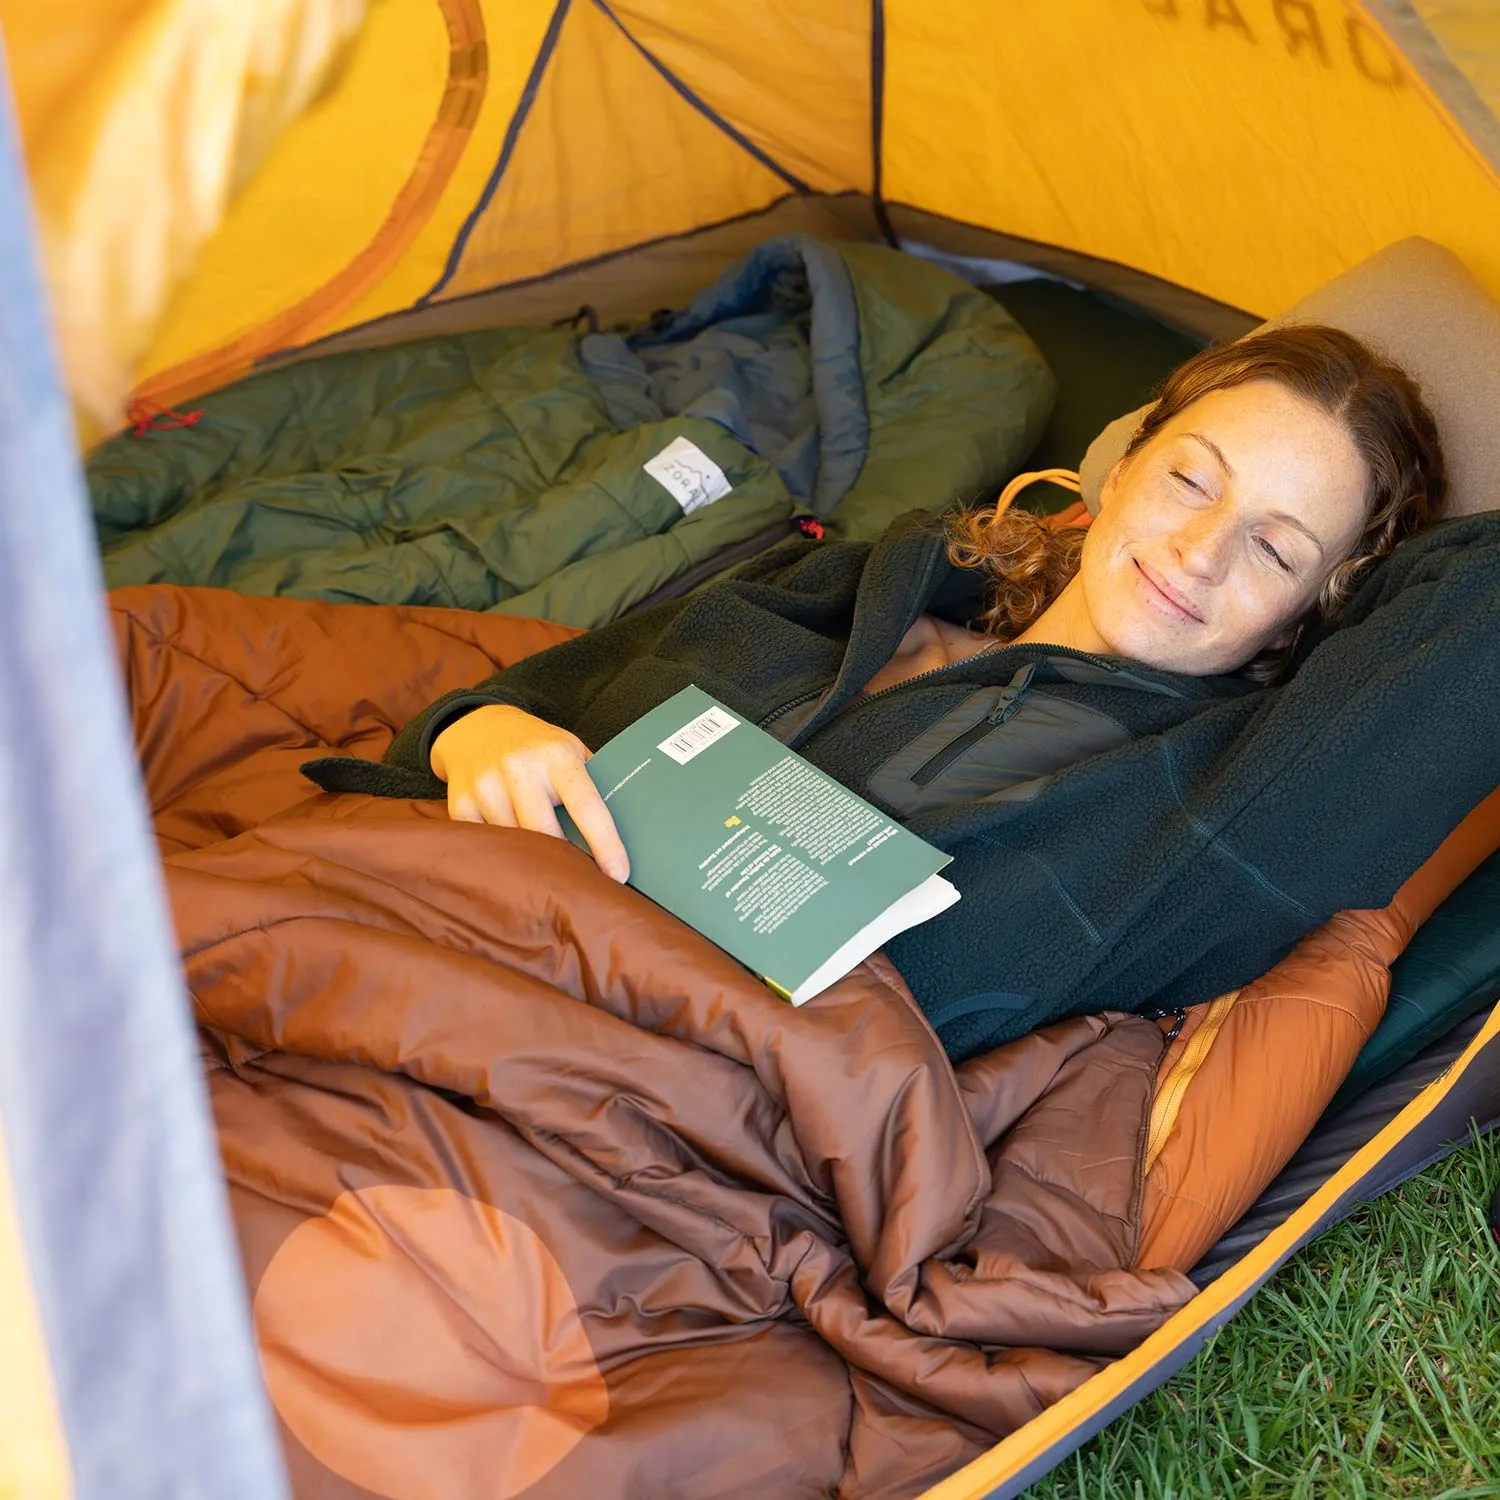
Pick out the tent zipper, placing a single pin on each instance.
(1168, 1101)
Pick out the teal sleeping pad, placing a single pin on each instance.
(1450, 971)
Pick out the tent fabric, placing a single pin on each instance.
(1454, 49)
(1166, 152)
(112, 1174)
(465, 144)
(181, 101)
(33, 1450)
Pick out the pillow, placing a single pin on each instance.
(1418, 304)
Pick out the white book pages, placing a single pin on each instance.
(935, 894)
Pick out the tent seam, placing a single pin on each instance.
(705, 109)
(877, 122)
(529, 92)
(1084, 255)
(280, 359)
(1450, 92)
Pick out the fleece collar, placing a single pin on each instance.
(907, 569)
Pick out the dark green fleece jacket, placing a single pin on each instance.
(1122, 838)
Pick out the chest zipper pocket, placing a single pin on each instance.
(1008, 706)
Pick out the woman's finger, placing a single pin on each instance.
(462, 807)
(531, 799)
(494, 799)
(576, 791)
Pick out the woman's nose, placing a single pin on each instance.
(1202, 543)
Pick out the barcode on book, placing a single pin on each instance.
(698, 735)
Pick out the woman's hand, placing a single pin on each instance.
(506, 767)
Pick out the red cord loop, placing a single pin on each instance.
(149, 416)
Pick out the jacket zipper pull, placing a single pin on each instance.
(1010, 694)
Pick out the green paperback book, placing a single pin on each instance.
(781, 866)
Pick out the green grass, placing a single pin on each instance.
(1368, 1366)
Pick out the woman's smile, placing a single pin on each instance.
(1160, 594)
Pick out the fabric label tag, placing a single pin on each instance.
(688, 475)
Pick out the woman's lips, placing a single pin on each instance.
(1161, 594)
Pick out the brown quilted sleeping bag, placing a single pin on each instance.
(538, 1191)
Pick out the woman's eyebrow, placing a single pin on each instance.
(1302, 526)
(1215, 449)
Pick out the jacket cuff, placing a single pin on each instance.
(342, 773)
(448, 711)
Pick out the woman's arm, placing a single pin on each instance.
(554, 685)
(506, 749)
(502, 751)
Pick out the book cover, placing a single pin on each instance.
(780, 865)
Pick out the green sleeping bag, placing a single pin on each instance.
(544, 472)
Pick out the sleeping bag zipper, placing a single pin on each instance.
(1168, 1102)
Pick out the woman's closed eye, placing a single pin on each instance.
(1268, 549)
(1271, 554)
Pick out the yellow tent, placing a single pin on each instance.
(217, 183)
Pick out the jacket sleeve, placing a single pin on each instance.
(1352, 774)
(557, 685)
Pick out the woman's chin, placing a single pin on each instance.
(1146, 641)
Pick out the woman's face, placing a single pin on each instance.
(1213, 539)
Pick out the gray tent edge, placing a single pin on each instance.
(1437, 1121)
(115, 1178)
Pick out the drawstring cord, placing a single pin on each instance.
(1179, 1020)
(585, 315)
(148, 416)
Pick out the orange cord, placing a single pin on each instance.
(1065, 478)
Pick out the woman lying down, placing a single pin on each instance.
(1151, 784)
